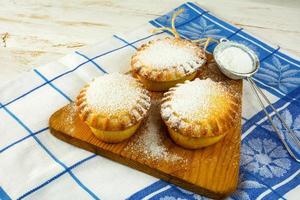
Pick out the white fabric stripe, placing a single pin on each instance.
(248, 131)
(269, 86)
(263, 120)
(262, 195)
(197, 11)
(289, 61)
(242, 36)
(292, 194)
(156, 192)
(295, 57)
(292, 99)
(272, 88)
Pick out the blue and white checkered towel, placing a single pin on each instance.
(35, 165)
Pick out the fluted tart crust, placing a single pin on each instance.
(200, 108)
(113, 102)
(167, 59)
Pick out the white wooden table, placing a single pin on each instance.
(36, 32)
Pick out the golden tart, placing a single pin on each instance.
(199, 113)
(113, 106)
(162, 63)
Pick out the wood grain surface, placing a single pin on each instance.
(212, 171)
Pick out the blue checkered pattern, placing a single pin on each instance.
(35, 165)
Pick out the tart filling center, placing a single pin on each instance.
(200, 108)
(164, 54)
(114, 93)
(199, 99)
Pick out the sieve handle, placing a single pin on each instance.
(257, 91)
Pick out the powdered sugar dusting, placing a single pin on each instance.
(166, 53)
(195, 100)
(71, 113)
(113, 93)
(149, 142)
(69, 119)
(236, 60)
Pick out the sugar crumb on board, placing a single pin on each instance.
(70, 118)
(149, 140)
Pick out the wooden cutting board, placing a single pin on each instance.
(212, 171)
